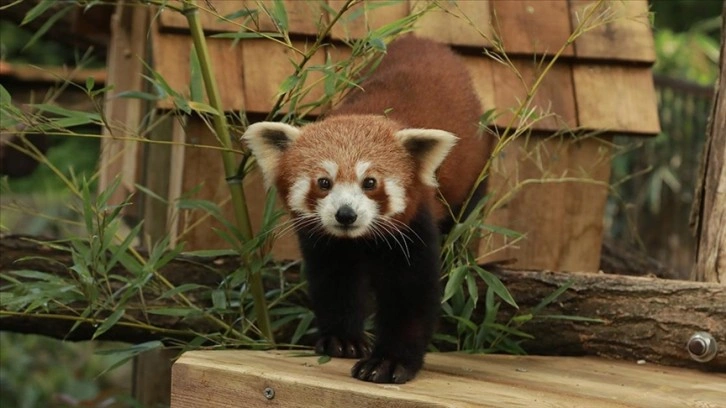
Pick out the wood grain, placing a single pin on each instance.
(560, 211)
(172, 56)
(616, 98)
(464, 23)
(302, 16)
(218, 379)
(267, 65)
(121, 158)
(553, 102)
(624, 34)
(710, 202)
(533, 26)
(364, 17)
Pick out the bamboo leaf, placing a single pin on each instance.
(456, 277)
(196, 84)
(551, 297)
(244, 35)
(186, 287)
(219, 300)
(46, 26)
(302, 327)
(36, 11)
(497, 286)
(202, 108)
(279, 15)
(108, 323)
(245, 12)
(171, 311)
(138, 95)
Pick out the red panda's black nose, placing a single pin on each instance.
(346, 215)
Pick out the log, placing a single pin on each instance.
(644, 318)
(709, 207)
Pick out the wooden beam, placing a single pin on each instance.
(219, 379)
(644, 318)
(709, 210)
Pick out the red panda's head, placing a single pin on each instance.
(352, 176)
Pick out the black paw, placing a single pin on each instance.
(336, 347)
(382, 370)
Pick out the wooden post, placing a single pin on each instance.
(709, 210)
(151, 383)
(127, 51)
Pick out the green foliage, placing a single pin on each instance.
(690, 55)
(36, 372)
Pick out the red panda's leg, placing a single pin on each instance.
(337, 292)
(408, 296)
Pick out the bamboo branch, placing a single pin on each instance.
(239, 203)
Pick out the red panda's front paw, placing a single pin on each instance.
(346, 348)
(382, 370)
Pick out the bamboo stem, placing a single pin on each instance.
(239, 202)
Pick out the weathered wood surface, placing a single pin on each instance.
(710, 202)
(127, 51)
(644, 318)
(217, 379)
(567, 179)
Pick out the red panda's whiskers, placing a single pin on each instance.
(391, 230)
(379, 232)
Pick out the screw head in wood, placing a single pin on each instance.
(269, 393)
(702, 347)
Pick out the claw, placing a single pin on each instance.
(336, 347)
(382, 370)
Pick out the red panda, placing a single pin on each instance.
(360, 185)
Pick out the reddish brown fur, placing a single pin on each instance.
(423, 84)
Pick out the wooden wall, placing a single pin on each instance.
(601, 84)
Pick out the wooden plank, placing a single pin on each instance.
(223, 378)
(554, 191)
(623, 33)
(156, 177)
(553, 102)
(533, 26)
(172, 55)
(151, 384)
(365, 17)
(127, 50)
(616, 98)
(203, 172)
(465, 23)
(710, 203)
(303, 16)
(267, 65)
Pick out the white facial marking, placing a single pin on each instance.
(352, 195)
(360, 169)
(396, 196)
(330, 167)
(298, 194)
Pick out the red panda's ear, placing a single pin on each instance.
(268, 140)
(429, 148)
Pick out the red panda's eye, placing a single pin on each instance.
(324, 183)
(369, 183)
